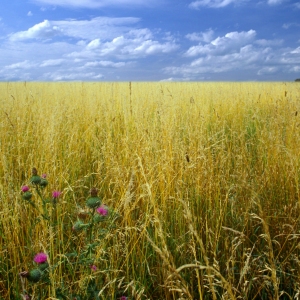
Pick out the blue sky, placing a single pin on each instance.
(149, 40)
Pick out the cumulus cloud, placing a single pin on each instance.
(51, 62)
(212, 3)
(94, 44)
(222, 3)
(103, 27)
(104, 63)
(135, 43)
(228, 43)
(43, 30)
(80, 48)
(236, 53)
(94, 3)
(20, 65)
(265, 43)
(267, 70)
(206, 36)
(275, 2)
(288, 25)
(242, 59)
(71, 75)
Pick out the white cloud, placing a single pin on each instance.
(296, 51)
(228, 43)
(20, 65)
(29, 14)
(288, 25)
(94, 3)
(275, 2)
(136, 43)
(43, 30)
(51, 62)
(205, 36)
(103, 27)
(114, 44)
(176, 79)
(94, 44)
(213, 3)
(294, 69)
(222, 3)
(266, 43)
(105, 63)
(151, 47)
(267, 70)
(237, 53)
(68, 75)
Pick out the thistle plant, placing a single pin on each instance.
(87, 225)
(36, 187)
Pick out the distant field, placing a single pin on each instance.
(201, 182)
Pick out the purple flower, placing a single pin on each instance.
(44, 176)
(40, 258)
(25, 188)
(56, 194)
(123, 298)
(93, 268)
(102, 210)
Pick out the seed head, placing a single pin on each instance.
(34, 172)
(93, 192)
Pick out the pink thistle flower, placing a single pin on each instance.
(56, 194)
(123, 298)
(102, 210)
(93, 268)
(25, 188)
(40, 258)
(44, 176)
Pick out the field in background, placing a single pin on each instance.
(204, 177)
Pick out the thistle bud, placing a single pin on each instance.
(93, 201)
(33, 275)
(43, 266)
(97, 218)
(35, 178)
(27, 196)
(44, 182)
(79, 225)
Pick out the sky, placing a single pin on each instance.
(149, 40)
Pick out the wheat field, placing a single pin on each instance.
(201, 181)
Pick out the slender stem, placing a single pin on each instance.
(45, 214)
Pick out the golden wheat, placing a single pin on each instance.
(204, 176)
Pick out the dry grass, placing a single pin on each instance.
(205, 178)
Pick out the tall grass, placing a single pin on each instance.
(204, 176)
